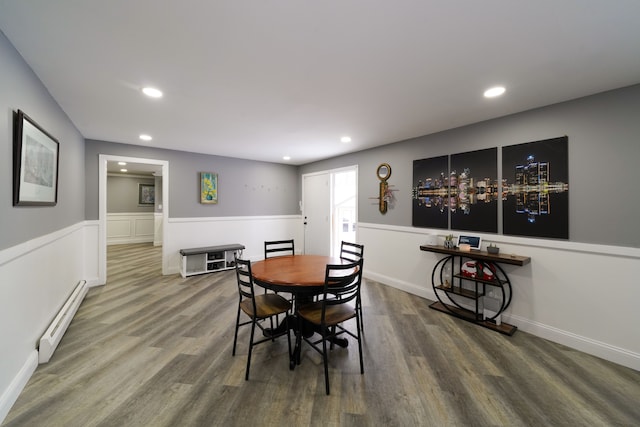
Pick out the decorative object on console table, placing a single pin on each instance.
(448, 242)
(208, 188)
(35, 163)
(472, 286)
(464, 247)
(474, 242)
(493, 249)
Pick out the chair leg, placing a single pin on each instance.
(235, 336)
(286, 325)
(325, 358)
(253, 329)
(298, 344)
(273, 339)
(358, 326)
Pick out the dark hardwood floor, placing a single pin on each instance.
(153, 350)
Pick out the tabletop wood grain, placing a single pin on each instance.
(293, 270)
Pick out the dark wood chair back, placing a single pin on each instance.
(351, 251)
(279, 248)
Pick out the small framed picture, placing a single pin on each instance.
(146, 194)
(208, 187)
(35, 164)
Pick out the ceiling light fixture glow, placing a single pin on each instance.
(345, 139)
(152, 92)
(145, 137)
(286, 158)
(122, 163)
(494, 91)
(123, 170)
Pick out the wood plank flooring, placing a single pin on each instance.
(153, 350)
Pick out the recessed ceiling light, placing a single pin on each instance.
(286, 158)
(152, 92)
(122, 163)
(345, 139)
(123, 170)
(145, 137)
(494, 91)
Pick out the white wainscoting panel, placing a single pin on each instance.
(36, 277)
(157, 229)
(584, 296)
(130, 228)
(184, 233)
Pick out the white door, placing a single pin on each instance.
(316, 204)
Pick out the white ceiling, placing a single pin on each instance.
(260, 79)
(114, 168)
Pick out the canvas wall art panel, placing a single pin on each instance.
(536, 188)
(430, 192)
(473, 180)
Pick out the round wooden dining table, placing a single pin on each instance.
(301, 275)
(298, 274)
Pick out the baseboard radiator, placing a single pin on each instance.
(53, 335)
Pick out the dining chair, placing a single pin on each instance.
(274, 248)
(278, 248)
(341, 288)
(258, 308)
(353, 252)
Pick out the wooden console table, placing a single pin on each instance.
(472, 286)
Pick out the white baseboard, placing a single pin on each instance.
(421, 291)
(603, 350)
(11, 394)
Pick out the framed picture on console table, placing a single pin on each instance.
(35, 164)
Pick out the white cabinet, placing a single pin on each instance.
(209, 259)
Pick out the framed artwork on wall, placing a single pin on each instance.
(208, 187)
(535, 179)
(146, 194)
(35, 164)
(430, 192)
(474, 190)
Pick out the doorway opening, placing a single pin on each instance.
(330, 210)
(102, 207)
(344, 208)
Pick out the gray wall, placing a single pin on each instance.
(21, 89)
(245, 187)
(604, 151)
(122, 194)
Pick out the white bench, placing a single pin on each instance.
(208, 259)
